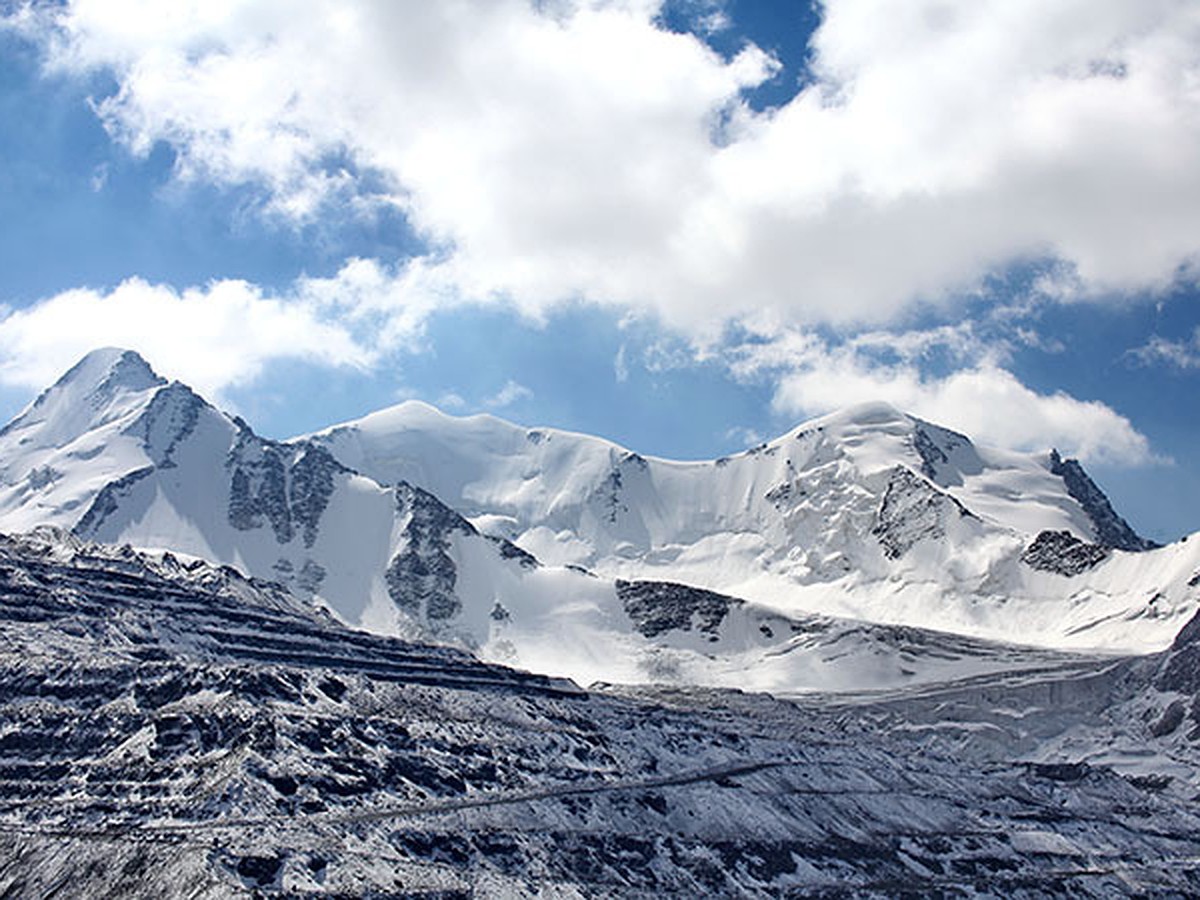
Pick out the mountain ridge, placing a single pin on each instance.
(513, 541)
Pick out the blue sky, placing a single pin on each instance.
(684, 227)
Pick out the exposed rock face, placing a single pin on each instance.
(1178, 674)
(1171, 718)
(1181, 669)
(286, 486)
(422, 576)
(912, 511)
(258, 486)
(1111, 530)
(312, 484)
(167, 422)
(1062, 552)
(108, 500)
(933, 452)
(509, 550)
(656, 607)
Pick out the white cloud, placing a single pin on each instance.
(981, 398)
(743, 436)
(1181, 355)
(211, 337)
(621, 366)
(508, 395)
(576, 149)
(451, 400)
(99, 178)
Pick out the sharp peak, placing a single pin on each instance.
(111, 366)
(103, 385)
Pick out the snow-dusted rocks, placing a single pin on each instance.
(531, 547)
(1109, 528)
(1062, 552)
(171, 729)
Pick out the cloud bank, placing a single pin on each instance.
(578, 150)
(213, 337)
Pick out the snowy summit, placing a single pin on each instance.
(570, 555)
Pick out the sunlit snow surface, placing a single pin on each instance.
(515, 545)
(794, 525)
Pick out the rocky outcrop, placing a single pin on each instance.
(258, 486)
(168, 421)
(108, 501)
(421, 576)
(656, 607)
(1063, 553)
(1111, 530)
(912, 511)
(311, 485)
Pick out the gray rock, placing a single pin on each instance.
(1111, 530)
(1062, 552)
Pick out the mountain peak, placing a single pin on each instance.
(1111, 530)
(109, 369)
(103, 386)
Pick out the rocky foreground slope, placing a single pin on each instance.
(172, 729)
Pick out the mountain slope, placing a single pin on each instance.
(171, 729)
(118, 455)
(786, 549)
(866, 513)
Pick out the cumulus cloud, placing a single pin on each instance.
(552, 152)
(212, 337)
(980, 397)
(577, 149)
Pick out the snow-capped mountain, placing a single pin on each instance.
(172, 729)
(565, 554)
(116, 454)
(867, 513)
